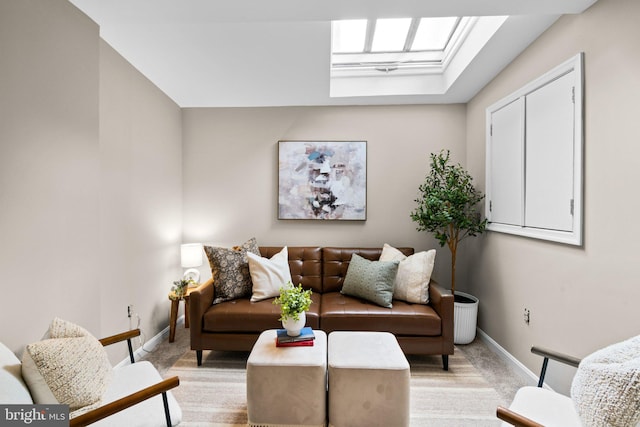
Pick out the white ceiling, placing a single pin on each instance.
(214, 53)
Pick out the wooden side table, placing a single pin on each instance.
(175, 303)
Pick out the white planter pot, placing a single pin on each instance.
(465, 318)
(293, 326)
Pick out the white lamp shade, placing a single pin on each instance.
(191, 255)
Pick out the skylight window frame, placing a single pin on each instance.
(452, 31)
(375, 28)
(425, 61)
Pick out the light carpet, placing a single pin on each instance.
(215, 393)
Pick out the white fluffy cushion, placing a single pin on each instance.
(268, 274)
(13, 390)
(606, 387)
(414, 274)
(70, 368)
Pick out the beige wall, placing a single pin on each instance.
(90, 180)
(580, 298)
(49, 168)
(231, 175)
(140, 196)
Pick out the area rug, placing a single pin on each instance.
(214, 394)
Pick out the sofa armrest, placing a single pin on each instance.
(111, 408)
(200, 299)
(442, 302)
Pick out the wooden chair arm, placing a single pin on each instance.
(554, 355)
(515, 419)
(124, 403)
(120, 337)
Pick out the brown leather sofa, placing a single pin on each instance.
(235, 325)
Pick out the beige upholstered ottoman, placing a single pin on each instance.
(368, 380)
(287, 386)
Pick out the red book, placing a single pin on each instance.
(306, 343)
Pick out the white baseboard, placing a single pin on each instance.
(507, 357)
(149, 345)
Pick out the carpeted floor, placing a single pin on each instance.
(467, 395)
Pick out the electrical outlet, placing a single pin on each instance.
(527, 316)
(129, 310)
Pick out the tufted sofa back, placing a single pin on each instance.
(323, 269)
(305, 264)
(335, 262)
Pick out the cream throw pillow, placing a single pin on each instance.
(414, 274)
(606, 387)
(70, 368)
(268, 274)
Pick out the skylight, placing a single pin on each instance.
(390, 35)
(358, 42)
(403, 56)
(434, 33)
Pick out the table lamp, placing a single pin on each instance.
(191, 258)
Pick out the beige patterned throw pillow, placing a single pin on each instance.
(70, 368)
(230, 270)
(606, 387)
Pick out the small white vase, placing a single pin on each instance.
(293, 326)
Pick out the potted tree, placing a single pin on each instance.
(294, 303)
(447, 207)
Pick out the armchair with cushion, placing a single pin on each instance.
(132, 395)
(605, 391)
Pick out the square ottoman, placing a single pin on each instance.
(287, 386)
(368, 380)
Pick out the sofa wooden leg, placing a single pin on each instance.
(445, 362)
(199, 357)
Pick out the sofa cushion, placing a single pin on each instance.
(70, 368)
(13, 390)
(230, 270)
(305, 264)
(335, 263)
(268, 275)
(606, 386)
(371, 280)
(414, 273)
(242, 315)
(340, 312)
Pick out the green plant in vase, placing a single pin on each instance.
(293, 301)
(447, 206)
(180, 287)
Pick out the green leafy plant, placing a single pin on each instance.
(447, 206)
(180, 286)
(293, 300)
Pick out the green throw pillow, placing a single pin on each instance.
(370, 280)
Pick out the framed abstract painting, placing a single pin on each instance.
(322, 180)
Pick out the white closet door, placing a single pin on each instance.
(506, 196)
(549, 155)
